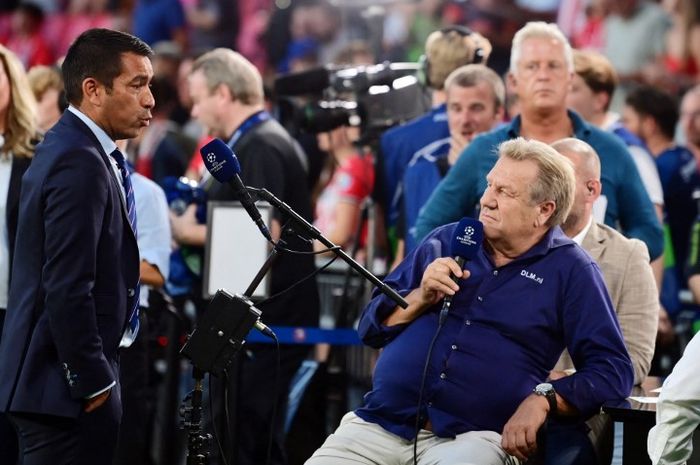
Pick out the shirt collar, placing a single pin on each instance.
(578, 238)
(581, 128)
(106, 142)
(552, 239)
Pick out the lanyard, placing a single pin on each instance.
(247, 125)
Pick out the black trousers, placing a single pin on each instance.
(137, 418)
(8, 435)
(89, 439)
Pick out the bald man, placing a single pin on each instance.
(625, 266)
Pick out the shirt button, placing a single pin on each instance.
(495, 272)
(467, 322)
(130, 292)
(454, 347)
(480, 299)
(443, 376)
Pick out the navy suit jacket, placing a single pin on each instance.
(75, 268)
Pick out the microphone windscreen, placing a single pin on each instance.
(467, 239)
(220, 161)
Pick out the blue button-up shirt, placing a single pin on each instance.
(628, 203)
(505, 331)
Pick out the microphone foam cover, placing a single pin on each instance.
(467, 239)
(220, 161)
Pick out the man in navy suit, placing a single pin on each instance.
(76, 266)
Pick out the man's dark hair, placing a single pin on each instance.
(657, 104)
(97, 53)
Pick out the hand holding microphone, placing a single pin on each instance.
(440, 278)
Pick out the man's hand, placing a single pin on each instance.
(434, 286)
(95, 402)
(665, 334)
(458, 143)
(437, 282)
(519, 436)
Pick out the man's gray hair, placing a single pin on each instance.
(472, 75)
(223, 66)
(555, 178)
(540, 30)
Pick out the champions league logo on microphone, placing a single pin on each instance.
(212, 165)
(466, 237)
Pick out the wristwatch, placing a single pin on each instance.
(547, 390)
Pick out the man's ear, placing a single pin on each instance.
(511, 82)
(546, 210)
(93, 91)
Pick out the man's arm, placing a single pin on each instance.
(519, 437)
(638, 310)
(76, 193)
(636, 212)
(678, 411)
(594, 340)
(456, 194)
(422, 279)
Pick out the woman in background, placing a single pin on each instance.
(18, 138)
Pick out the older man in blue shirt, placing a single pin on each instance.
(529, 293)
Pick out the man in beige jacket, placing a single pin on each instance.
(626, 270)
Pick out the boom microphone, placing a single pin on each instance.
(224, 167)
(466, 242)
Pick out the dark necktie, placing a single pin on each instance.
(131, 213)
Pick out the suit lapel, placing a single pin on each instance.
(116, 184)
(594, 242)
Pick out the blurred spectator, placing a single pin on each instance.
(475, 104)
(212, 23)
(355, 53)
(591, 94)
(339, 207)
(18, 138)
(25, 36)
(652, 114)
(445, 51)
(47, 85)
(163, 150)
(167, 56)
(676, 69)
(254, 18)
(157, 20)
(690, 120)
(634, 36)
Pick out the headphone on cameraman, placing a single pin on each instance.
(463, 31)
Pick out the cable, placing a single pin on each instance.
(309, 276)
(273, 418)
(222, 454)
(422, 386)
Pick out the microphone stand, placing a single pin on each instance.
(316, 234)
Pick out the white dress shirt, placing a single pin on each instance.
(678, 410)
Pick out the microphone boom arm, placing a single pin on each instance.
(316, 234)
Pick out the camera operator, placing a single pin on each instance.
(445, 51)
(227, 96)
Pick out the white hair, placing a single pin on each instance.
(541, 30)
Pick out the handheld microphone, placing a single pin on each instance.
(223, 165)
(466, 242)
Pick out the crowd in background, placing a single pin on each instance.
(638, 76)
